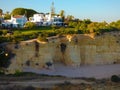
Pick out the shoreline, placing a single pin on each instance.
(98, 72)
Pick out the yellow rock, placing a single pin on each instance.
(80, 49)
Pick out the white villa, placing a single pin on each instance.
(57, 20)
(46, 19)
(40, 19)
(19, 20)
(15, 21)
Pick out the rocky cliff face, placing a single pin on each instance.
(72, 50)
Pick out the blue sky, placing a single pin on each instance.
(96, 10)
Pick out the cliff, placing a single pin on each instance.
(75, 50)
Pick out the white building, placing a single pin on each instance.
(41, 19)
(46, 19)
(15, 21)
(37, 18)
(57, 20)
(18, 20)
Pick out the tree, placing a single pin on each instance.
(1, 11)
(115, 24)
(92, 27)
(83, 27)
(30, 25)
(7, 15)
(30, 12)
(87, 21)
(18, 11)
(70, 17)
(62, 14)
(23, 11)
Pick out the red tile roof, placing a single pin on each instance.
(18, 16)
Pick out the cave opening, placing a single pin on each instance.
(6, 55)
(76, 40)
(63, 47)
(28, 63)
(36, 48)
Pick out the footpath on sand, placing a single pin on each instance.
(98, 72)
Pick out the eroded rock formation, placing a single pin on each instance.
(72, 50)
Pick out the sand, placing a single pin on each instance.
(98, 71)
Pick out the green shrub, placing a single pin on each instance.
(3, 39)
(5, 32)
(29, 25)
(17, 33)
(18, 73)
(1, 72)
(1, 32)
(42, 38)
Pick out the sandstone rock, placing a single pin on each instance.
(79, 50)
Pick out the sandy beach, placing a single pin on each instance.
(98, 72)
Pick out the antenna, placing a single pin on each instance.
(52, 10)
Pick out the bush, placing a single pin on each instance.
(3, 32)
(18, 73)
(1, 72)
(17, 33)
(40, 38)
(3, 39)
(29, 25)
(115, 78)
